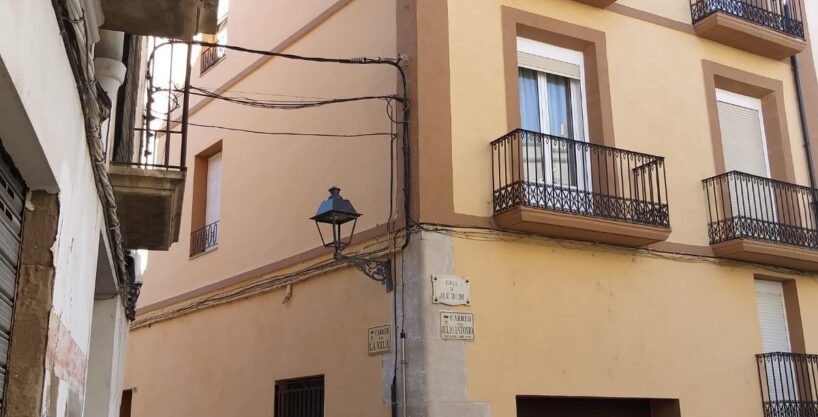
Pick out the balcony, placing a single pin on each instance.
(760, 220)
(204, 240)
(210, 56)
(179, 19)
(598, 3)
(771, 28)
(576, 190)
(788, 384)
(147, 168)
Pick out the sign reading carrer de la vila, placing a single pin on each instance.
(451, 290)
(456, 326)
(380, 339)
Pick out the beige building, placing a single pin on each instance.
(611, 213)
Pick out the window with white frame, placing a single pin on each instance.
(552, 97)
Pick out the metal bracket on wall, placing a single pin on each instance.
(380, 271)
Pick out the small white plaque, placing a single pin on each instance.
(456, 326)
(380, 339)
(451, 290)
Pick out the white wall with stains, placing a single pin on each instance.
(41, 126)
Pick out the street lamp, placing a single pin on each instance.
(337, 211)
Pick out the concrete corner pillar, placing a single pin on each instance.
(436, 368)
(35, 286)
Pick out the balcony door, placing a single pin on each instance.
(552, 101)
(775, 336)
(745, 150)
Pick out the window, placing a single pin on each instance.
(742, 133)
(745, 150)
(206, 207)
(775, 335)
(772, 316)
(301, 397)
(214, 189)
(211, 55)
(552, 102)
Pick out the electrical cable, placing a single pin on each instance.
(262, 132)
(284, 105)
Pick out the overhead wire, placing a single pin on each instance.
(264, 132)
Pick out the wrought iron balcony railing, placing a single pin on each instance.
(204, 239)
(785, 16)
(209, 57)
(532, 169)
(158, 139)
(744, 206)
(789, 384)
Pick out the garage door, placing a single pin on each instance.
(12, 192)
(582, 407)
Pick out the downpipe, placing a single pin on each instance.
(805, 134)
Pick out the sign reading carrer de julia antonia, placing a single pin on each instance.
(456, 326)
(380, 339)
(451, 290)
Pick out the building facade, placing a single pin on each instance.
(610, 212)
(72, 186)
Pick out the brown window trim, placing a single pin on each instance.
(771, 93)
(565, 35)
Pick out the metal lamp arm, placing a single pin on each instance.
(380, 271)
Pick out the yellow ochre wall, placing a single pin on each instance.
(570, 320)
(271, 185)
(657, 97)
(224, 361)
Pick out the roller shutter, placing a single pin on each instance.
(12, 192)
(772, 316)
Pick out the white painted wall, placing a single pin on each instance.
(108, 334)
(41, 125)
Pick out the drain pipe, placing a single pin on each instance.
(805, 132)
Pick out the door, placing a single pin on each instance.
(214, 185)
(552, 102)
(12, 191)
(745, 150)
(775, 336)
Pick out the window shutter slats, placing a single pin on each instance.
(551, 66)
(742, 139)
(772, 317)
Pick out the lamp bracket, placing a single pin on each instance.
(380, 271)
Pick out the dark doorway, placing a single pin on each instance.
(531, 406)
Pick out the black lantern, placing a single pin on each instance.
(337, 211)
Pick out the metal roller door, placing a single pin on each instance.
(12, 192)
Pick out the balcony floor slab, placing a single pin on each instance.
(149, 205)
(768, 253)
(748, 36)
(576, 227)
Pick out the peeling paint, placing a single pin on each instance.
(64, 356)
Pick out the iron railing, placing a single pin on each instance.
(789, 384)
(537, 170)
(210, 56)
(204, 239)
(303, 397)
(160, 139)
(745, 206)
(785, 16)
